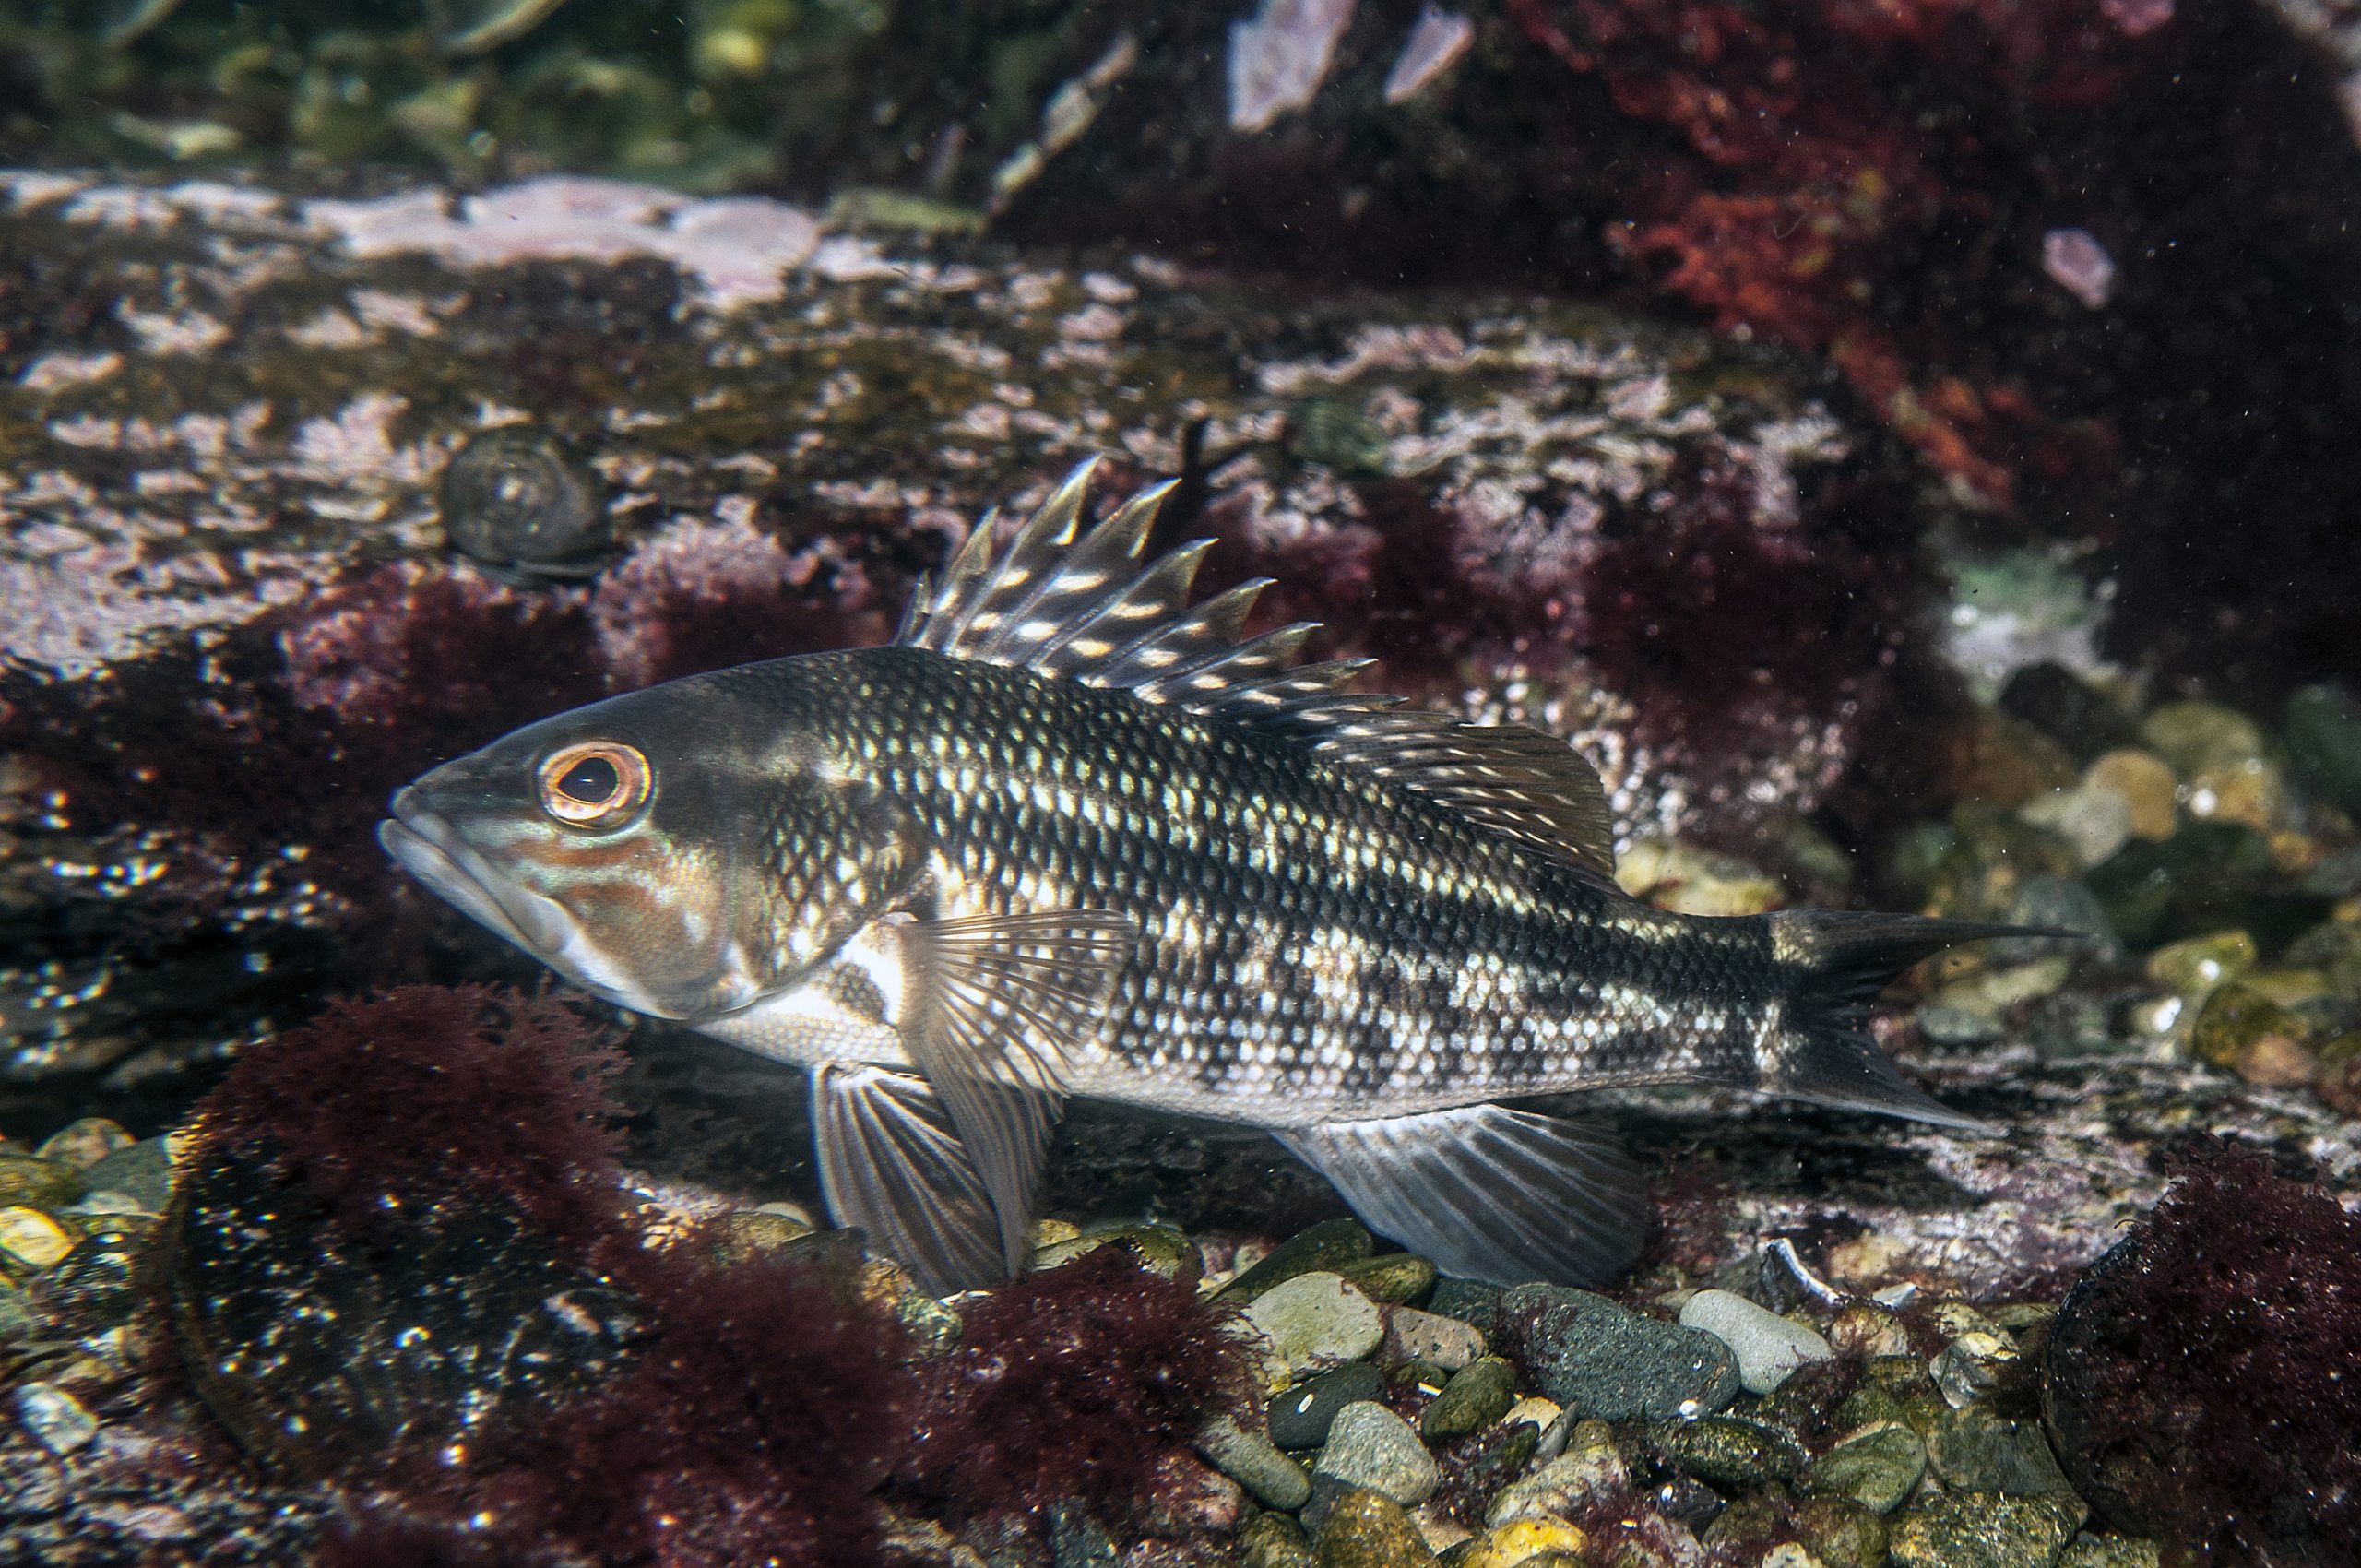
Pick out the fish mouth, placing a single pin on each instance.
(425, 845)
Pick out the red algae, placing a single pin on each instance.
(1077, 1382)
(772, 1403)
(407, 1097)
(1813, 174)
(2199, 1378)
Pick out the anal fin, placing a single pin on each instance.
(1487, 1192)
(891, 1164)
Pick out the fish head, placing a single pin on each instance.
(671, 850)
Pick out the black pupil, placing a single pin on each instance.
(593, 781)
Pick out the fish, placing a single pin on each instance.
(1074, 834)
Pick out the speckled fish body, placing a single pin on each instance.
(1312, 944)
(1071, 836)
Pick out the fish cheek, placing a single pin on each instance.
(836, 857)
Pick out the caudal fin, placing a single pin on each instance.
(1842, 959)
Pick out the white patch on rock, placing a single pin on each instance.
(1437, 41)
(195, 333)
(2077, 262)
(51, 371)
(1278, 60)
(740, 249)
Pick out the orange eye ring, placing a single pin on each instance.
(594, 785)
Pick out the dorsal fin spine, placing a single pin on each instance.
(1065, 607)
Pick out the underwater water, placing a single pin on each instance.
(1809, 455)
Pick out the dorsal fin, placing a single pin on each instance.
(1087, 609)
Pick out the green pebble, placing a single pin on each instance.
(1476, 1396)
(2195, 965)
(2197, 735)
(1877, 1468)
(746, 1234)
(1396, 1279)
(1165, 1249)
(1274, 1540)
(2234, 1019)
(1248, 1457)
(1843, 1533)
(2322, 731)
(1974, 1450)
(1731, 1452)
(1364, 1530)
(1983, 1529)
(28, 1181)
(1327, 1246)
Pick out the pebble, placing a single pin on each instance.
(1254, 1462)
(1877, 1468)
(1274, 1540)
(1843, 1533)
(1967, 1369)
(1731, 1452)
(2249, 791)
(31, 1238)
(1520, 1542)
(2146, 785)
(2196, 735)
(1165, 1249)
(1979, 1529)
(43, 1184)
(1600, 1358)
(2237, 1018)
(1414, 1336)
(1300, 1416)
(2321, 727)
(1476, 1396)
(54, 1418)
(142, 1173)
(1767, 1346)
(1957, 1026)
(1974, 1450)
(1589, 1471)
(1677, 876)
(1393, 1278)
(2095, 821)
(1865, 1329)
(1317, 1321)
(1372, 1447)
(1327, 1246)
(1365, 1530)
(85, 1143)
(743, 1235)
(2195, 965)
(1533, 1411)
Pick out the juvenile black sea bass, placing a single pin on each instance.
(1070, 835)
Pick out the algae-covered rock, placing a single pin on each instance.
(682, 432)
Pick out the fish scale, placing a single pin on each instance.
(1072, 835)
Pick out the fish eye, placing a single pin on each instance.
(594, 784)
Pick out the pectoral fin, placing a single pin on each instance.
(891, 1164)
(1488, 1192)
(997, 1003)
